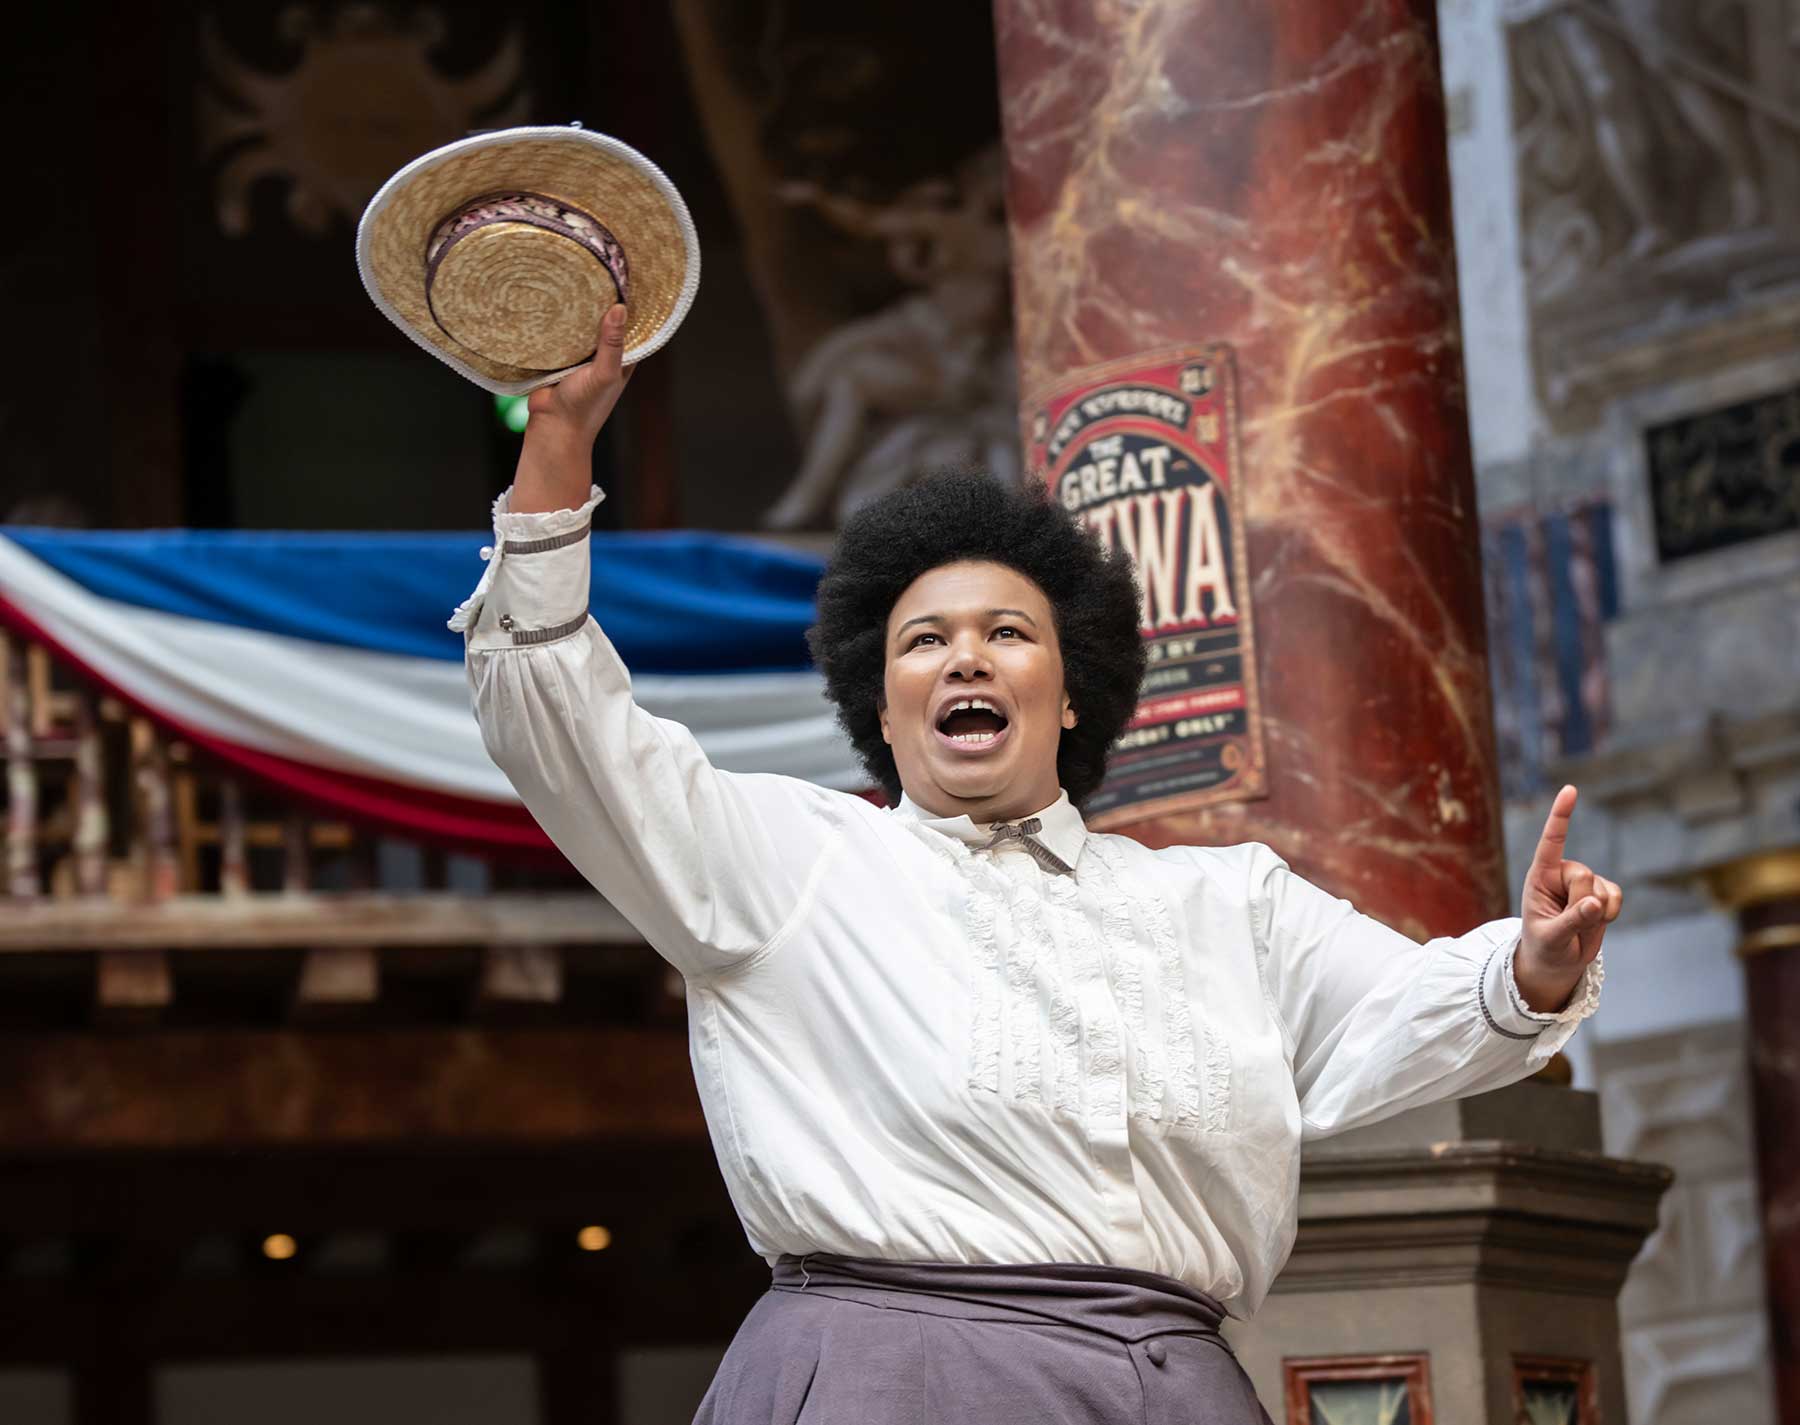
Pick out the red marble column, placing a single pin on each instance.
(1272, 174)
(1765, 892)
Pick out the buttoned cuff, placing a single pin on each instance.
(535, 587)
(1504, 1009)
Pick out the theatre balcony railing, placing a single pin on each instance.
(145, 882)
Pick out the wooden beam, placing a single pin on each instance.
(678, 1270)
(337, 976)
(234, 860)
(296, 857)
(110, 1387)
(132, 987)
(93, 828)
(578, 1385)
(247, 1088)
(273, 921)
(154, 843)
(323, 835)
(137, 379)
(249, 1318)
(176, 1195)
(22, 879)
(527, 974)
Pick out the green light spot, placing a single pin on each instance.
(513, 411)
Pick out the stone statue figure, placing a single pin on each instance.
(926, 382)
(1658, 153)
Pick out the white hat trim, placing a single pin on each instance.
(654, 342)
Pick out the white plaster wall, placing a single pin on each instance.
(1504, 421)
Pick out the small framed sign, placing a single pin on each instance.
(1553, 1390)
(1725, 476)
(1144, 451)
(1358, 1390)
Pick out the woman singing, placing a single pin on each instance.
(1013, 1109)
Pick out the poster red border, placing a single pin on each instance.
(1249, 781)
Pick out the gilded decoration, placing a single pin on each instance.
(1725, 476)
(364, 96)
(1756, 880)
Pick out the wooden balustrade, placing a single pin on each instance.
(133, 848)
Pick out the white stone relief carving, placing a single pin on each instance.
(1695, 1333)
(1659, 1284)
(1705, 1255)
(925, 383)
(1730, 1243)
(1658, 153)
(1700, 1373)
(1692, 1113)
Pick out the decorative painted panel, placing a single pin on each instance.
(1358, 1390)
(1551, 1390)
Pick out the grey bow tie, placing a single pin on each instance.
(1025, 833)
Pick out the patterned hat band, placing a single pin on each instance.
(534, 210)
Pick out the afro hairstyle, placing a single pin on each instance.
(966, 516)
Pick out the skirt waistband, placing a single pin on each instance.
(1118, 1302)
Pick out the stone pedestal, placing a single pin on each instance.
(1272, 176)
(1470, 1245)
(1764, 890)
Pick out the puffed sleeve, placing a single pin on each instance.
(1377, 1023)
(710, 866)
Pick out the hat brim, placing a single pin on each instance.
(597, 174)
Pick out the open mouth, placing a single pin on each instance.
(972, 723)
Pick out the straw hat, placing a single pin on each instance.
(499, 253)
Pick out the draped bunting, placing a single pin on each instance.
(321, 661)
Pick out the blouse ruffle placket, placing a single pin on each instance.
(1087, 1078)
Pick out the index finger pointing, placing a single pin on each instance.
(1556, 831)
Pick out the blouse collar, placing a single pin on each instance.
(1063, 831)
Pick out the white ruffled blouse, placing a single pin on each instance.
(911, 1048)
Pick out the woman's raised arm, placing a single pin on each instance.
(711, 866)
(566, 418)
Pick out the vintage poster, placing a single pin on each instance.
(1145, 452)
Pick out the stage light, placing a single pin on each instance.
(278, 1246)
(513, 412)
(593, 1239)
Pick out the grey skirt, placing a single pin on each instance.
(848, 1341)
